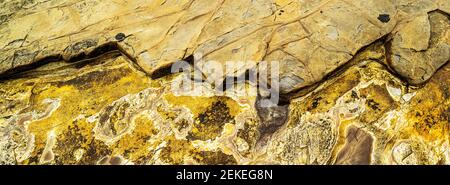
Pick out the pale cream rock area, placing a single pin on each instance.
(313, 37)
(86, 82)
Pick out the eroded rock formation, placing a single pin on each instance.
(362, 82)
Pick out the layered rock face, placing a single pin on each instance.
(89, 82)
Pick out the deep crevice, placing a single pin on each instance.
(99, 51)
(269, 126)
(14, 71)
(384, 41)
(36, 72)
(167, 69)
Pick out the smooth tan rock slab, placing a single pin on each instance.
(421, 47)
(315, 37)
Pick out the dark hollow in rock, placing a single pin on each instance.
(384, 18)
(120, 37)
(167, 69)
(271, 119)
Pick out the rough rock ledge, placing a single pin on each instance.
(364, 82)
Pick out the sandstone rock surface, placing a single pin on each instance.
(311, 38)
(362, 82)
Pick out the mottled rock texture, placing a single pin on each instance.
(362, 82)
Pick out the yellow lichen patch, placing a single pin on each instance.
(176, 151)
(81, 94)
(210, 113)
(325, 97)
(429, 111)
(135, 146)
(198, 104)
(209, 124)
(378, 102)
(182, 151)
(214, 158)
(14, 96)
(378, 72)
(228, 129)
(233, 106)
(78, 136)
